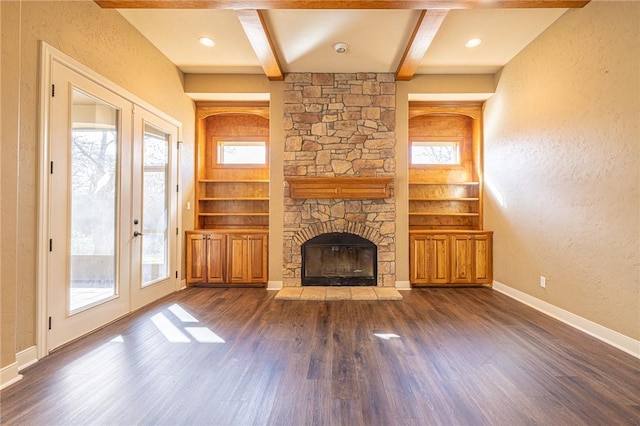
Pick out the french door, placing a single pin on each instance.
(154, 209)
(111, 211)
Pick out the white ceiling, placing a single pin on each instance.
(304, 39)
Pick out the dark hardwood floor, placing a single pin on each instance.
(439, 357)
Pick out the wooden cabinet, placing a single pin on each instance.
(451, 258)
(247, 260)
(429, 259)
(223, 258)
(205, 256)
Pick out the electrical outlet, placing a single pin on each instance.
(543, 281)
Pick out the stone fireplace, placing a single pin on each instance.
(339, 125)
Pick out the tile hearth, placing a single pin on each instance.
(338, 293)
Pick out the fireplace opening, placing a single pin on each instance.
(339, 259)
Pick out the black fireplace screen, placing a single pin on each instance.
(339, 259)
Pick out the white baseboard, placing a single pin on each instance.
(183, 284)
(9, 375)
(611, 337)
(403, 285)
(274, 285)
(27, 358)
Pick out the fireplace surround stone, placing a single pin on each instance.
(339, 125)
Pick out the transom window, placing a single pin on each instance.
(435, 152)
(242, 152)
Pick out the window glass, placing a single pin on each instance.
(242, 152)
(435, 152)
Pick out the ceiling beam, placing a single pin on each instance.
(338, 4)
(428, 25)
(255, 28)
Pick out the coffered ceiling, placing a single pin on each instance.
(280, 36)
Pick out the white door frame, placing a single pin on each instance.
(48, 55)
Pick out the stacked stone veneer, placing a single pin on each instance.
(339, 125)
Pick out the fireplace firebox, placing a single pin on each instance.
(339, 259)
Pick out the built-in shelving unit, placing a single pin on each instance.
(446, 196)
(447, 244)
(229, 245)
(231, 196)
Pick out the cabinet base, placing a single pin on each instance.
(228, 285)
(452, 285)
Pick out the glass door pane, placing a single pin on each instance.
(155, 205)
(94, 156)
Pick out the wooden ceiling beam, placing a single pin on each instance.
(338, 4)
(255, 28)
(426, 29)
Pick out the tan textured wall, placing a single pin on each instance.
(10, 21)
(276, 177)
(562, 158)
(104, 41)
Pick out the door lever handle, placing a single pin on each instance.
(137, 234)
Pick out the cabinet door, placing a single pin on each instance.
(196, 258)
(237, 268)
(461, 259)
(429, 259)
(439, 259)
(215, 258)
(257, 258)
(483, 259)
(418, 259)
(247, 260)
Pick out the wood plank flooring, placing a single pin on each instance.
(438, 357)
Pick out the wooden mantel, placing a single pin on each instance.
(347, 187)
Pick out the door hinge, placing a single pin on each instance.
(177, 232)
(49, 323)
(176, 274)
(53, 90)
(51, 168)
(177, 188)
(50, 244)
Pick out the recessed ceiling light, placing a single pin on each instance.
(206, 41)
(473, 42)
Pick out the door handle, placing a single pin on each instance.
(137, 234)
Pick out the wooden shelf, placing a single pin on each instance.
(444, 214)
(234, 214)
(351, 187)
(233, 180)
(443, 199)
(234, 198)
(434, 204)
(446, 183)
